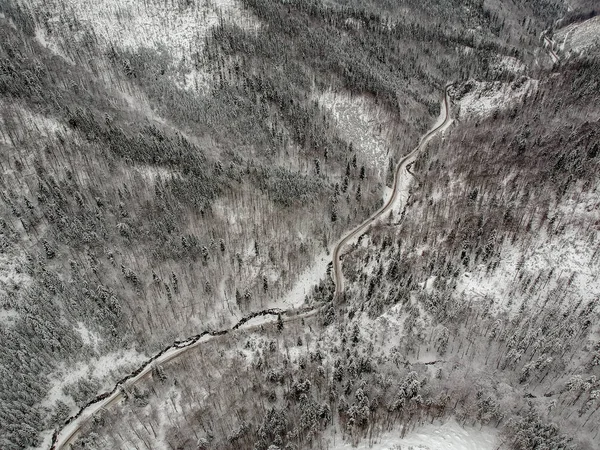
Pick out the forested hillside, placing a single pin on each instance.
(480, 303)
(495, 259)
(169, 167)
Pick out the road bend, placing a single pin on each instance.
(65, 435)
(338, 277)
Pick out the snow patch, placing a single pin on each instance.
(17, 122)
(41, 36)
(196, 80)
(139, 102)
(11, 274)
(232, 214)
(447, 436)
(579, 38)
(361, 123)
(389, 327)
(8, 317)
(87, 337)
(152, 173)
(165, 412)
(482, 98)
(427, 285)
(509, 64)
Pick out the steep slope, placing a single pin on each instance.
(479, 302)
(495, 260)
(155, 187)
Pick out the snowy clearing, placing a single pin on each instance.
(449, 436)
(105, 368)
(304, 284)
(179, 29)
(579, 38)
(136, 100)
(509, 64)
(41, 36)
(87, 337)
(8, 317)
(153, 173)
(483, 98)
(11, 273)
(362, 123)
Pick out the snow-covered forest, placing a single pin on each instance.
(171, 167)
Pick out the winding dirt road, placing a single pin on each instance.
(65, 435)
(338, 277)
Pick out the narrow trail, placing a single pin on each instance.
(70, 429)
(338, 277)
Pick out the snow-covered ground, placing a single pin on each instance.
(579, 38)
(484, 98)
(510, 64)
(41, 36)
(10, 273)
(402, 196)
(87, 337)
(8, 317)
(568, 253)
(165, 412)
(447, 436)
(153, 173)
(362, 123)
(106, 369)
(303, 286)
(136, 100)
(235, 215)
(177, 27)
(16, 121)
